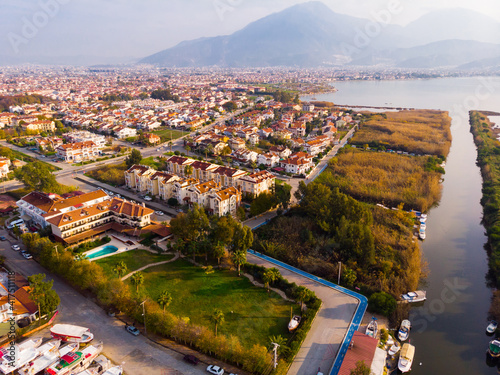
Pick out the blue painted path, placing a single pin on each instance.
(358, 315)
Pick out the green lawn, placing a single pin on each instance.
(250, 313)
(151, 162)
(134, 260)
(167, 134)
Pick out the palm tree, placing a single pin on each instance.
(138, 280)
(209, 150)
(239, 258)
(164, 299)
(281, 341)
(270, 276)
(302, 295)
(170, 144)
(217, 318)
(120, 269)
(187, 148)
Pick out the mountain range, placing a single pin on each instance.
(312, 35)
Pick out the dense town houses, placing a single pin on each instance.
(298, 163)
(191, 181)
(83, 216)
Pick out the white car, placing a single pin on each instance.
(146, 198)
(16, 247)
(216, 370)
(159, 213)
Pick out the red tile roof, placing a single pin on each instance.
(363, 349)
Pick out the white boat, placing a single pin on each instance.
(20, 359)
(404, 330)
(492, 327)
(422, 226)
(75, 362)
(48, 359)
(372, 328)
(71, 333)
(406, 357)
(294, 323)
(117, 370)
(31, 343)
(100, 364)
(423, 216)
(394, 349)
(417, 296)
(421, 234)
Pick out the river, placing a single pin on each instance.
(449, 329)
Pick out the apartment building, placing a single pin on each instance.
(298, 163)
(225, 201)
(85, 222)
(40, 126)
(77, 152)
(137, 177)
(257, 183)
(86, 136)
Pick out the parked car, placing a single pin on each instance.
(191, 359)
(27, 256)
(133, 330)
(148, 198)
(159, 213)
(3, 238)
(216, 370)
(16, 247)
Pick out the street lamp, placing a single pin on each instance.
(144, 315)
(340, 270)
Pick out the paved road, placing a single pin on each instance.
(328, 329)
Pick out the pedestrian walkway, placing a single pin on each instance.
(151, 265)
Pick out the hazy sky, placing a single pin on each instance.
(133, 29)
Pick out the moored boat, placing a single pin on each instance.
(394, 349)
(404, 330)
(116, 370)
(492, 327)
(417, 296)
(71, 333)
(48, 359)
(19, 360)
(372, 328)
(421, 234)
(294, 323)
(75, 362)
(406, 357)
(494, 348)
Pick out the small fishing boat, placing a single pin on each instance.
(423, 226)
(394, 349)
(372, 328)
(71, 333)
(417, 296)
(494, 348)
(294, 323)
(492, 327)
(100, 364)
(31, 343)
(404, 330)
(48, 359)
(406, 357)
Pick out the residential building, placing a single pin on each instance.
(82, 223)
(137, 177)
(269, 159)
(160, 184)
(226, 176)
(203, 170)
(282, 151)
(177, 164)
(257, 183)
(4, 168)
(245, 155)
(236, 143)
(40, 126)
(225, 201)
(181, 189)
(15, 299)
(77, 152)
(37, 207)
(152, 139)
(199, 193)
(317, 144)
(298, 163)
(125, 132)
(83, 136)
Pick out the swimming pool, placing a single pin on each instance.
(108, 249)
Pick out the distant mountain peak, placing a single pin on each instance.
(311, 34)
